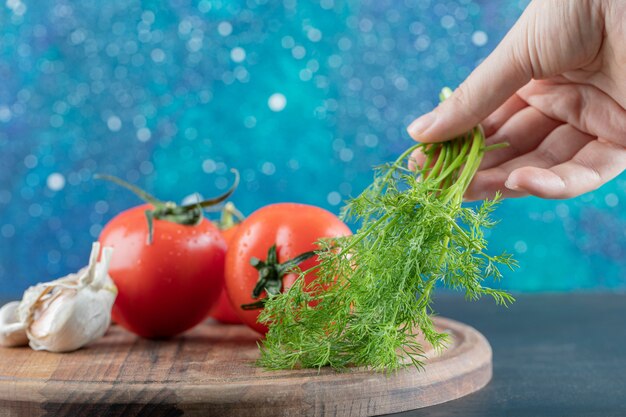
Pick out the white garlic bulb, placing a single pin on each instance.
(12, 330)
(69, 312)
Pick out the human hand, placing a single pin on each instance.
(555, 90)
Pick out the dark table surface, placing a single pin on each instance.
(553, 355)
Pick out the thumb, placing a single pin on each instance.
(498, 77)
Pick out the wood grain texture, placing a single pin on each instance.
(210, 371)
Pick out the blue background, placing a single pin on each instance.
(171, 94)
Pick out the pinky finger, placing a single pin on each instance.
(595, 164)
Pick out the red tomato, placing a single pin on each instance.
(294, 229)
(170, 285)
(223, 310)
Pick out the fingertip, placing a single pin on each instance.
(515, 180)
(539, 182)
(420, 125)
(447, 121)
(512, 185)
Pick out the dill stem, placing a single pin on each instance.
(398, 162)
(438, 163)
(428, 162)
(442, 255)
(364, 234)
(427, 290)
(460, 157)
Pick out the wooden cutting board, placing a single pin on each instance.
(210, 371)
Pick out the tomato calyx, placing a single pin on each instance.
(230, 217)
(188, 214)
(271, 275)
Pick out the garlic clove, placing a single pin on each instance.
(70, 312)
(70, 319)
(12, 331)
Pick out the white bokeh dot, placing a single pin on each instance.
(157, 55)
(55, 181)
(277, 102)
(114, 123)
(5, 114)
(333, 198)
(335, 61)
(346, 155)
(479, 38)
(237, 54)
(204, 6)
(447, 22)
(305, 74)
(520, 246)
(344, 44)
(611, 200)
(31, 161)
(209, 166)
(287, 42)
(298, 52)
(94, 230)
(268, 168)
(314, 35)
(370, 141)
(327, 4)
(562, 210)
(422, 43)
(146, 167)
(148, 17)
(101, 207)
(224, 28)
(144, 134)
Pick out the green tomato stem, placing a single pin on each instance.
(188, 215)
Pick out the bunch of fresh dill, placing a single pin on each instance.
(374, 289)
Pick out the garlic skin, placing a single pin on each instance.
(66, 314)
(12, 331)
(70, 319)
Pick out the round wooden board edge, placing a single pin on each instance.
(321, 394)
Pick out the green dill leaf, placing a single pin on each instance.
(371, 304)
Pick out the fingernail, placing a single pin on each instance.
(511, 185)
(420, 125)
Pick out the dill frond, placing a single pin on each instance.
(374, 290)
